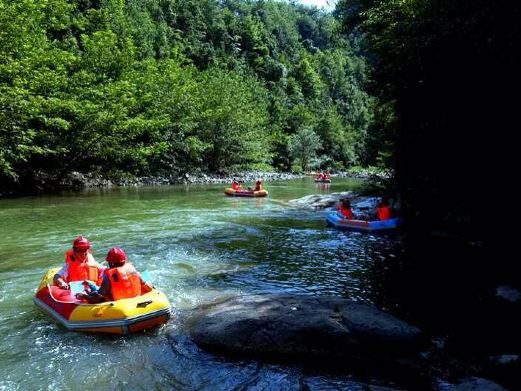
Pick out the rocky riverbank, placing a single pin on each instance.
(76, 179)
(43, 182)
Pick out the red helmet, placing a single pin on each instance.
(81, 243)
(116, 255)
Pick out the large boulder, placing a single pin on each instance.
(360, 204)
(319, 201)
(302, 326)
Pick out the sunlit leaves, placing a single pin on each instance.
(304, 145)
(171, 86)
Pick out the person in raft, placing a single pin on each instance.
(79, 264)
(120, 281)
(258, 186)
(383, 211)
(344, 208)
(235, 184)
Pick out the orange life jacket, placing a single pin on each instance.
(78, 271)
(124, 282)
(383, 212)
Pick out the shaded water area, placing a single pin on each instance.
(198, 246)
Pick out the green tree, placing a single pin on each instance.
(232, 119)
(303, 146)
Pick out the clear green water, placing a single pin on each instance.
(198, 245)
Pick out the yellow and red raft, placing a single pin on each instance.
(123, 316)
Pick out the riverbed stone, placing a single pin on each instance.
(320, 201)
(362, 205)
(509, 293)
(302, 326)
(475, 384)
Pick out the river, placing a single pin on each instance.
(198, 245)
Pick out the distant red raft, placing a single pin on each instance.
(245, 193)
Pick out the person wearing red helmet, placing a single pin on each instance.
(120, 281)
(79, 264)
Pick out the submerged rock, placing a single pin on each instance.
(474, 384)
(301, 326)
(508, 293)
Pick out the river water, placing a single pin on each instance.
(198, 245)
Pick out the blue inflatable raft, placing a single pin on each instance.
(338, 222)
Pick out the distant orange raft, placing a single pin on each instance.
(118, 317)
(245, 193)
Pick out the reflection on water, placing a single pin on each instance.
(198, 245)
(322, 188)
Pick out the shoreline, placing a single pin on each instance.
(77, 181)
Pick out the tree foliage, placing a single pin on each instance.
(304, 145)
(142, 87)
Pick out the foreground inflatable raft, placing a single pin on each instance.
(245, 193)
(118, 317)
(338, 222)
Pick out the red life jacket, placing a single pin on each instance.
(235, 186)
(78, 271)
(124, 282)
(383, 212)
(346, 212)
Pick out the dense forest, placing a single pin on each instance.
(142, 87)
